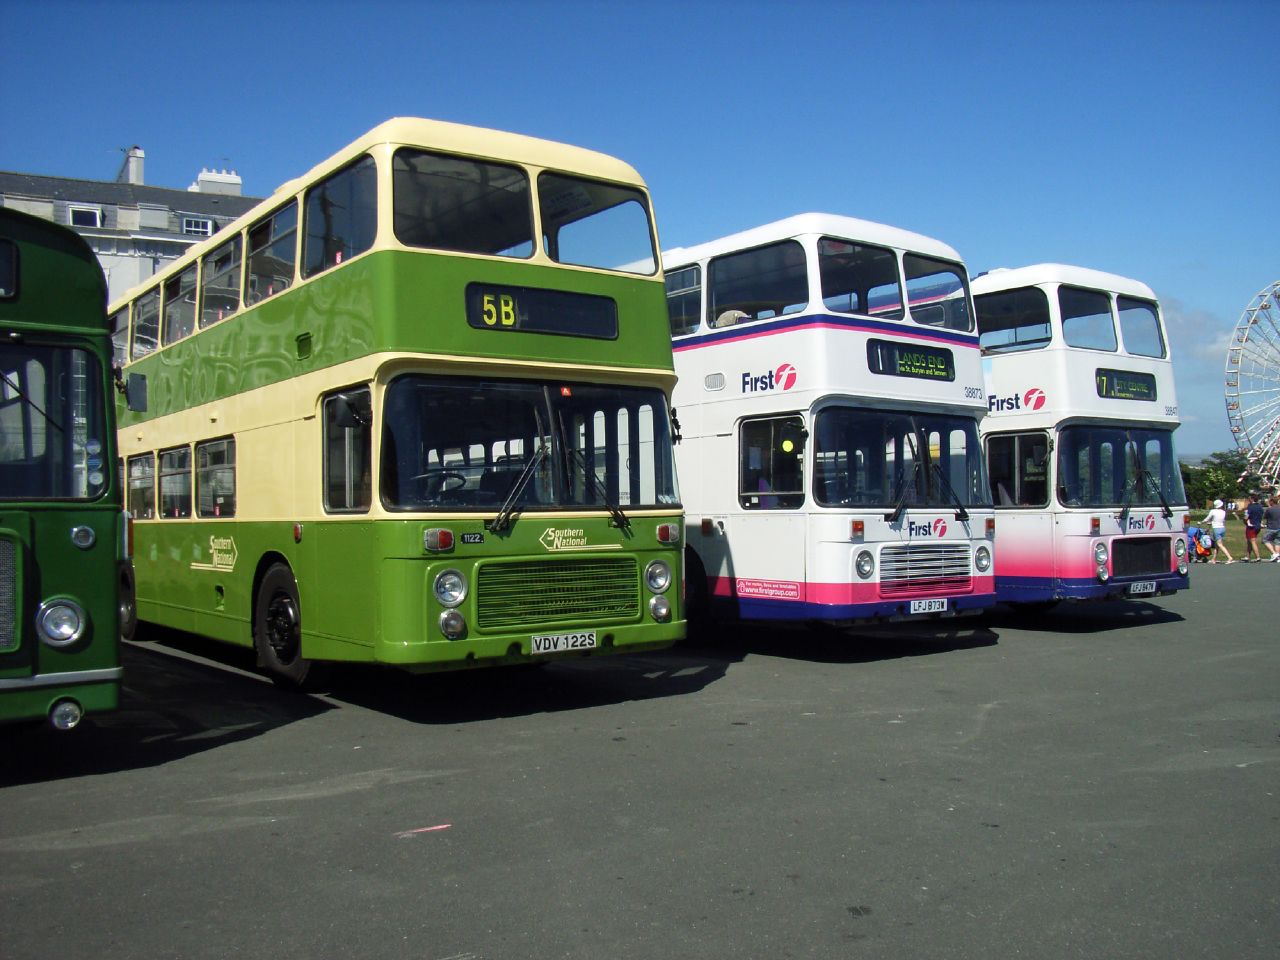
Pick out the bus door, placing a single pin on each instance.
(1027, 544)
(766, 536)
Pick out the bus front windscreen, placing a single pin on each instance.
(1117, 466)
(880, 458)
(53, 426)
(487, 444)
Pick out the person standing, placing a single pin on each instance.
(1217, 519)
(1252, 527)
(1271, 520)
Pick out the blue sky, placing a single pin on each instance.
(1141, 138)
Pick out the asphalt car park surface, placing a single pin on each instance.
(1097, 781)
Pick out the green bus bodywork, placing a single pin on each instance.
(364, 581)
(59, 488)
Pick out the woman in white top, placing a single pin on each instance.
(1217, 518)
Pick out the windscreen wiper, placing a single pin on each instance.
(908, 483)
(503, 519)
(620, 519)
(961, 513)
(1165, 510)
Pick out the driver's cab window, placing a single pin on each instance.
(771, 464)
(348, 445)
(1018, 465)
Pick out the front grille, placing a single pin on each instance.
(528, 594)
(918, 568)
(1140, 556)
(9, 638)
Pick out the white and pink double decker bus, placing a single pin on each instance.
(1079, 436)
(830, 387)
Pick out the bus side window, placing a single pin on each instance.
(771, 464)
(348, 445)
(175, 483)
(341, 217)
(146, 323)
(684, 296)
(216, 478)
(272, 253)
(757, 284)
(142, 486)
(1019, 469)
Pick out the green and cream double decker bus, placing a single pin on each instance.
(61, 535)
(412, 409)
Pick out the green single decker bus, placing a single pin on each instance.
(61, 520)
(412, 409)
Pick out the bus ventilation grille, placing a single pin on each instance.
(8, 596)
(917, 569)
(1140, 556)
(529, 594)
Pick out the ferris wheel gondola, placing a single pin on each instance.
(1253, 384)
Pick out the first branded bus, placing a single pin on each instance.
(829, 396)
(62, 550)
(412, 410)
(1079, 436)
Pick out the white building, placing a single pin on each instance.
(134, 229)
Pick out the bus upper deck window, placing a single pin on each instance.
(595, 224)
(461, 204)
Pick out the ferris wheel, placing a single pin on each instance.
(1253, 384)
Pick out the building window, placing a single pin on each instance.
(85, 216)
(197, 226)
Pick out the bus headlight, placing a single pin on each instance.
(1179, 548)
(450, 588)
(865, 564)
(1103, 574)
(61, 622)
(452, 624)
(982, 559)
(1100, 553)
(660, 608)
(658, 576)
(1182, 568)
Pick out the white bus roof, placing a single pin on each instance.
(824, 224)
(1004, 278)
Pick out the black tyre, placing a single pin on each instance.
(128, 601)
(697, 604)
(277, 630)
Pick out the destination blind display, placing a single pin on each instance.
(1124, 385)
(895, 359)
(532, 310)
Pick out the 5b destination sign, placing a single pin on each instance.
(895, 359)
(533, 310)
(1124, 385)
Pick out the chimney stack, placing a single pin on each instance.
(131, 169)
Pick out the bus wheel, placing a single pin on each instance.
(277, 630)
(128, 601)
